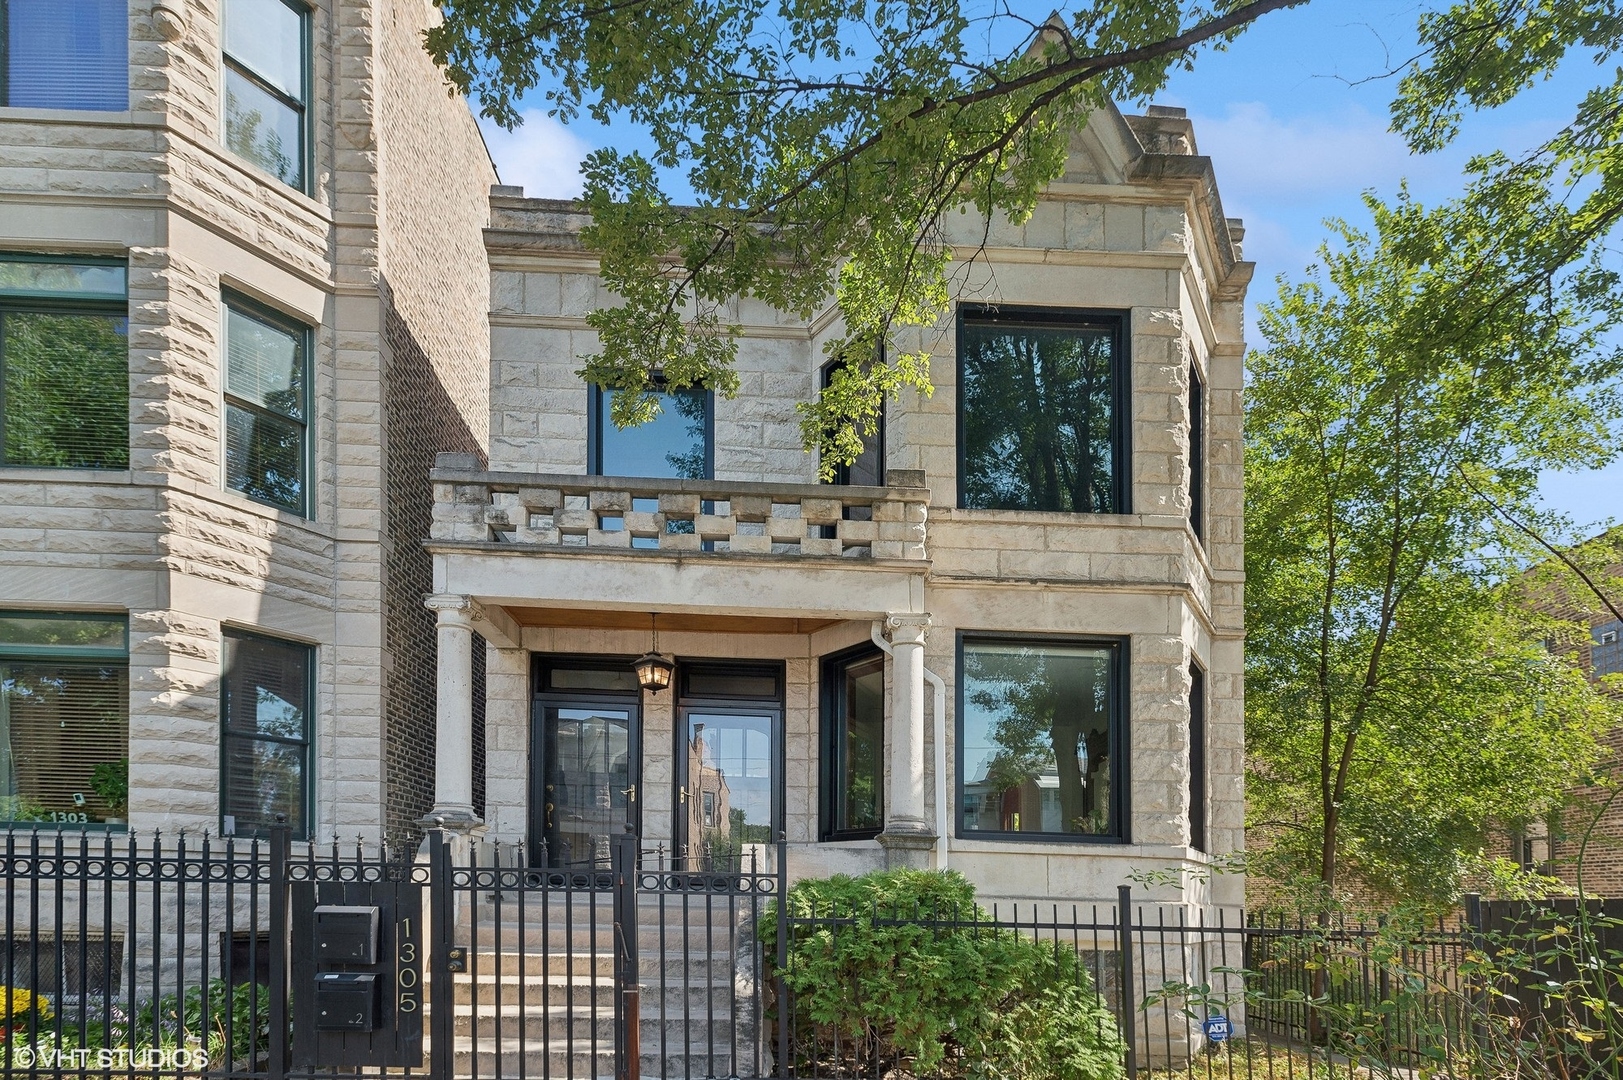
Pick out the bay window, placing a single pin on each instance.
(266, 692)
(1042, 410)
(65, 54)
(267, 86)
(64, 717)
(266, 405)
(64, 362)
(853, 703)
(1040, 739)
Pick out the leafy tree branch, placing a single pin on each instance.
(825, 143)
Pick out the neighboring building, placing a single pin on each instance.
(242, 304)
(1052, 541)
(1558, 845)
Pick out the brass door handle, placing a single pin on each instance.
(630, 793)
(683, 795)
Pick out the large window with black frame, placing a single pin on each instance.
(678, 442)
(1197, 452)
(64, 718)
(266, 695)
(64, 362)
(265, 55)
(853, 758)
(869, 467)
(1042, 410)
(1040, 733)
(1197, 759)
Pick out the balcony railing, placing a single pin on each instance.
(567, 513)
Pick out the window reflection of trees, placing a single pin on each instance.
(1046, 712)
(1038, 418)
(692, 406)
(66, 392)
(249, 135)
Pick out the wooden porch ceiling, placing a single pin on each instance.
(674, 621)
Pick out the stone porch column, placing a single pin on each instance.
(453, 739)
(908, 837)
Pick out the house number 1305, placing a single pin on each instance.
(406, 969)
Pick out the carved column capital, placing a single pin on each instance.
(453, 609)
(908, 627)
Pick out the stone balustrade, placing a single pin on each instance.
(567, 513)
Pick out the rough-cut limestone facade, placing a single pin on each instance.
(384, 260)
(1135, 227)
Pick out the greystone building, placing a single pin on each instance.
(1007, 642)
(254, 277)
(242, 305)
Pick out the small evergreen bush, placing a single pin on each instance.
(904, 969)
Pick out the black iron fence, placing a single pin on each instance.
(253, 959)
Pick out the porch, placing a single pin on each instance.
(749, 589)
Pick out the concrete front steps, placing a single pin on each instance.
(695, 970)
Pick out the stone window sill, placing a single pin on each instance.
(26, 474)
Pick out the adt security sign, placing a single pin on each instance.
(1217, 1028)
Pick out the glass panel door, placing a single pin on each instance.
(586, 766)
(728, 805)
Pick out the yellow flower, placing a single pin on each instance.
(19, 1004)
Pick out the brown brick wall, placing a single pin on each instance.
(1602, 857)
(435, 181)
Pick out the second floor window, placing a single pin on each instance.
(266, 86)
(65, 54)
(266, 405)
(1197, 452)
(679, 442)
(1042, 399)
(868, 470)
(64, 363)
(1606, 654)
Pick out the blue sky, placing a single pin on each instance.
(1294, 116)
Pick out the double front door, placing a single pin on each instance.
(586, 749)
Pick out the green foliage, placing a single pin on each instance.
(174, 1022)
(111, 782)
(178, 1022)
(825, 142)
(956, 1000)
(22, 808)
(1539, 994)
(67, 390)
(1397, 699)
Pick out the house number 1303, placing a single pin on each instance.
(405, 976)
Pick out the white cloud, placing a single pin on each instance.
(541, 155)
(1259, 156)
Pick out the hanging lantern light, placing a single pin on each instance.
(653, 670)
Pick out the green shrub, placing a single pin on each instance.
(956, 997)
(181, 1024)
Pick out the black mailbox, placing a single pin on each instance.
(346, 934)
(347, 1001)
